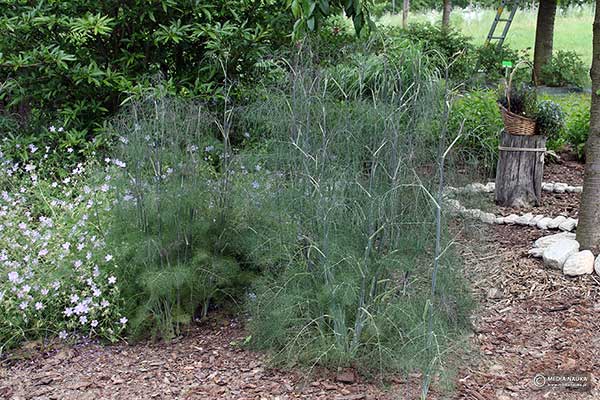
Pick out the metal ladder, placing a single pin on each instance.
(514, 4)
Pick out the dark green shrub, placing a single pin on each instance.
(550, 119)
(442, 47)
(71, 64)
(564, 69)
(490, 57)
(392, 68)
(578, 126)
(478, 111)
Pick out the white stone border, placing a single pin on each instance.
(559, 251)
(540, 221)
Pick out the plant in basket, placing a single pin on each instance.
(520, 99)
(518, 105)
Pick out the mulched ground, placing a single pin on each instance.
(530, 320)
(208, 363)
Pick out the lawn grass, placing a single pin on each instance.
(573, 27)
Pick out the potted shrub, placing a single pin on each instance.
(518, 106)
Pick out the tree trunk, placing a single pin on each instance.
(544, 36)
(405, 8)
(519, 173)
(588, 227)
(446, 13)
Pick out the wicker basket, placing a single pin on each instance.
(517, 124)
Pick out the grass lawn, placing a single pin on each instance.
(573, 27)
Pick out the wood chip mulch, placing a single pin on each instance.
(531, 319)
(208, 363)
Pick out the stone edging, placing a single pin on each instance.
(558, 251)
(529, 219)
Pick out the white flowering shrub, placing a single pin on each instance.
(57, 277)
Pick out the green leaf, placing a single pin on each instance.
(310, 23)
(324, 6)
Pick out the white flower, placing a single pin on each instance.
(52, 128)
(83, 319)
(255, 185)
(39, 306)
(62, 335)
(123, 320)
(108, 257)
(94, 323)
(13, 276)
(69, 150)
(74, 298)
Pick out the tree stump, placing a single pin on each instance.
(520, 170)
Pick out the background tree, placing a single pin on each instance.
(588, 229)
(405, 8)
(544, 36)
(446, 13)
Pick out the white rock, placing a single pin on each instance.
(500, 220)
(453, 205)
(511, 219)
(536, 252)
(490, 187)
(567, 225)
(546, 241)
(473, 213)
(580, 263)
(487, 218)
(524, 219)
(475, 187)
(557, 253)
(597, 265)
(556, 222)
(560, 187)
(534, 220)
(578, 189)
(570, 189)
(543, 223)
(449, 190)
(548, 187)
